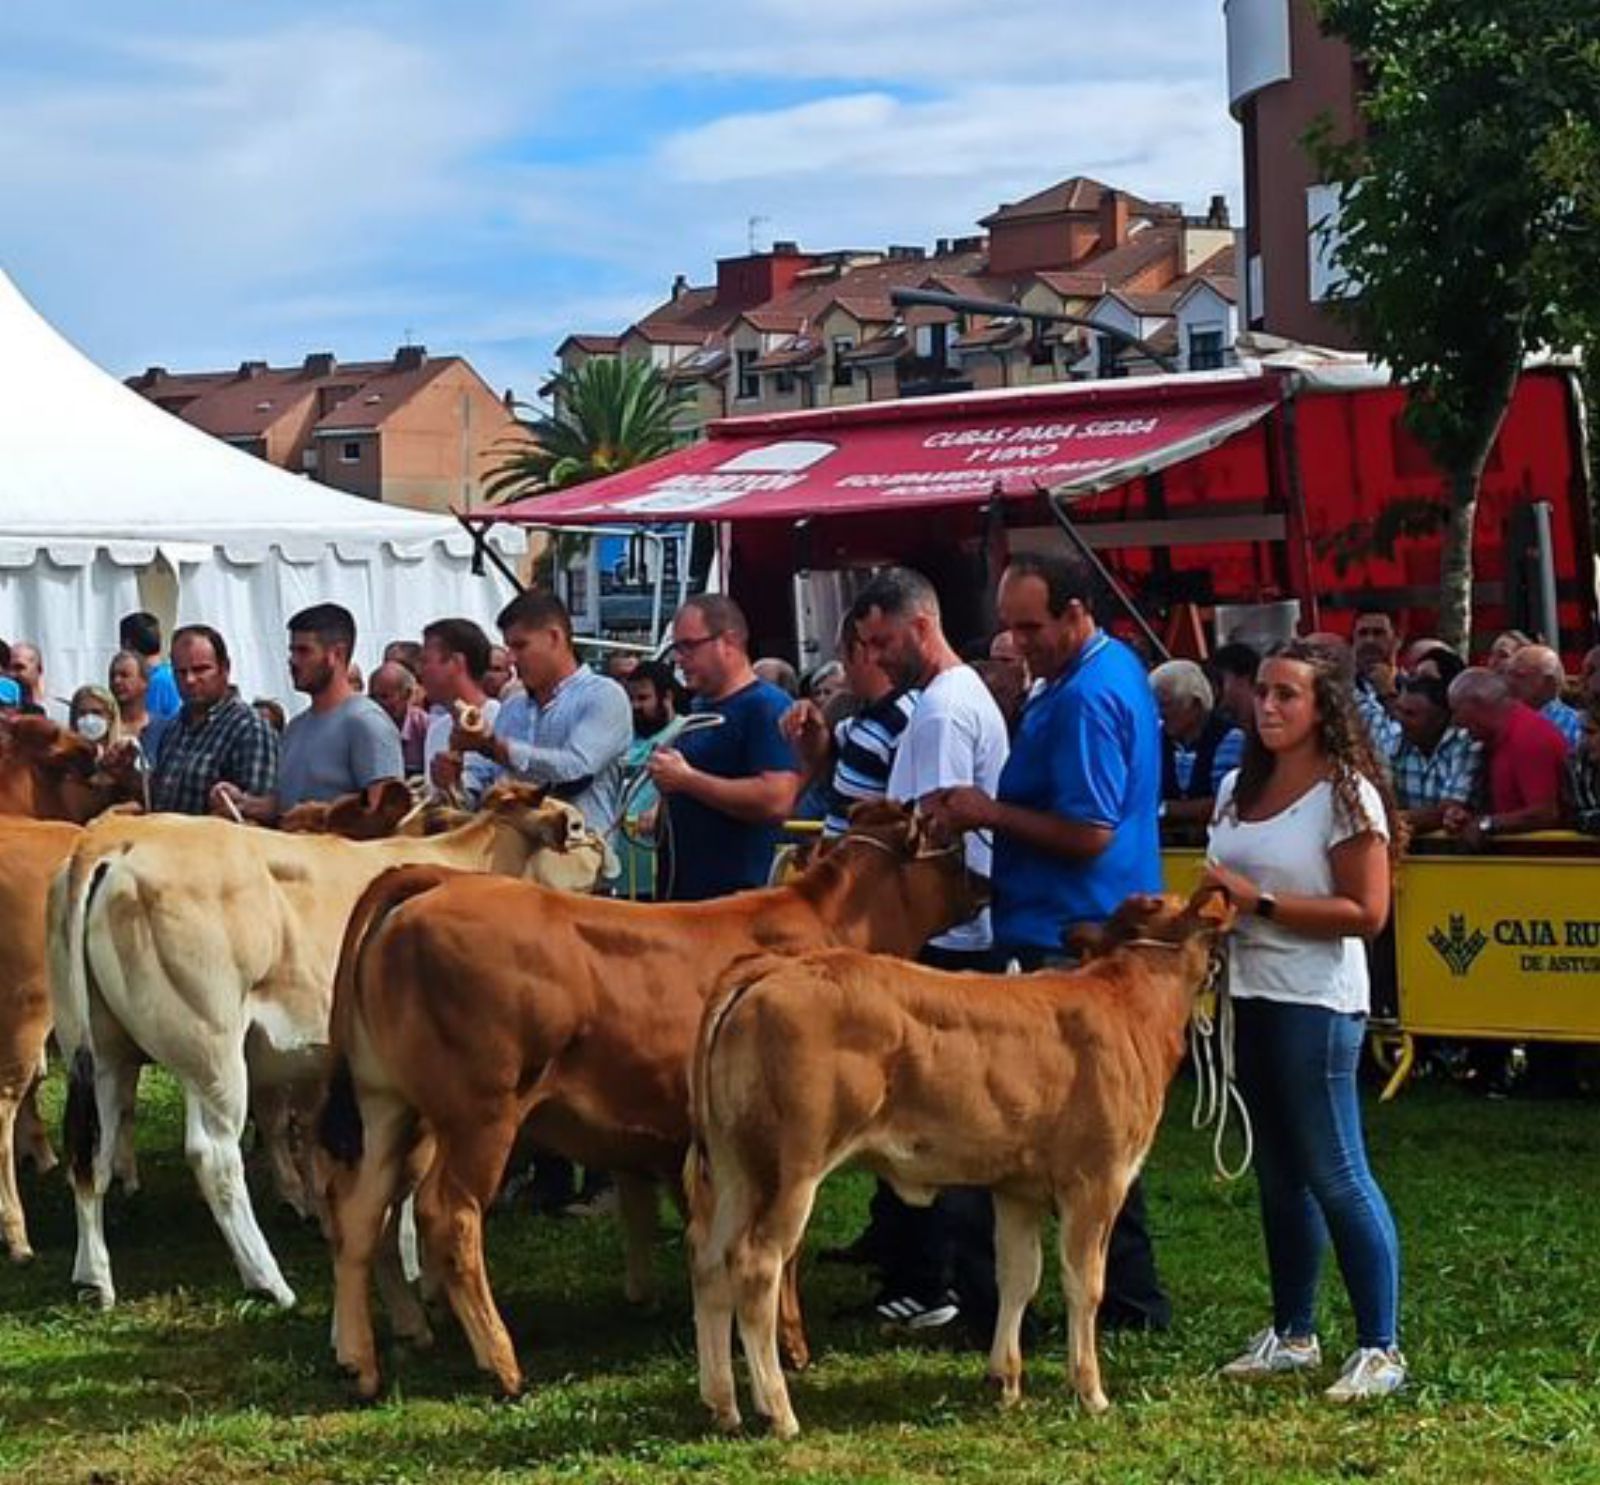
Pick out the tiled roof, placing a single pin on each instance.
(1109, 270)
(594, 345)
(992, 336)
(879, 348)
(800, 350)
(1147, 305)
(1077, 194)
(687, 320)
(235, 405)
(382, 395)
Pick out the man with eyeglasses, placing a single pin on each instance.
(727, 788)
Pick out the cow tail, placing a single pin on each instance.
(71, 894)
(740, 977)
(339, 1126)
(80, 1123)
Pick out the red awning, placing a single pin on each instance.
(919, 453)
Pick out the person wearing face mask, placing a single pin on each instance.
(92, 714)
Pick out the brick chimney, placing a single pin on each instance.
(1113, 220)
(319, 363)
(411, 358)
(249, 370)
(149, 377)
(1217, 214)
(680, 286)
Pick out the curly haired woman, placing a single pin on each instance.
(1303, 839)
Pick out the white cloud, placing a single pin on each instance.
(221, 182)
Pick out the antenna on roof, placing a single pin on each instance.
(752, 224)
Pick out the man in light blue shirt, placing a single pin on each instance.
(1536, 676)
(569, 729)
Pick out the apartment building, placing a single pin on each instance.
(417, 430)
(789, 329)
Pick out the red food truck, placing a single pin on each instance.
(1259, 489)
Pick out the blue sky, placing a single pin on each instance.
(197, 184)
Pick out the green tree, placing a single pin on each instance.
(1467, 226)
(608, 415)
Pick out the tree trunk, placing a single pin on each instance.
(1455, 562)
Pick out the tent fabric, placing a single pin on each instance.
(921, 454)
(108, 504)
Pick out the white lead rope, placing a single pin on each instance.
(1211, 1047)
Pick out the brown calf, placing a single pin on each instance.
(465, 1007)
(31, 852)
(1046, 1088)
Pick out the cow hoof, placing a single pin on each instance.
(796, 1358)
(783, 1428)
(1096, 1404)
(21, 1255)
(1008, 1390)
(102, 1297)
(726, 1421)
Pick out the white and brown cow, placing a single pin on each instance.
(210, 949)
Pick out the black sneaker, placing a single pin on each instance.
(913, 1313)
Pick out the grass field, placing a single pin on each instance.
(190, 1381)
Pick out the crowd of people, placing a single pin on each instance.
(1063, 759)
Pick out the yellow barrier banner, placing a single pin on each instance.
(1500, 945)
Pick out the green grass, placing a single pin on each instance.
(189, 1381)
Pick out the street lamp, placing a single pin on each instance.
(936, 299)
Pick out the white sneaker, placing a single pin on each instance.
(1272, 1355)
(1369, 1372)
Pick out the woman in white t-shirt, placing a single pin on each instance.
(1303, 840)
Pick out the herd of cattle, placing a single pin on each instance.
(398, 997)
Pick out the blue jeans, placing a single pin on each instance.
(1297, 1071)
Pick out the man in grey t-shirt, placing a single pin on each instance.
(343, 743)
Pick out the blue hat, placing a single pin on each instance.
(10, 692)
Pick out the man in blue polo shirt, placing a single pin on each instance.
(727, 788)
(1075, 824)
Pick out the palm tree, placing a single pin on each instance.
(609, 414)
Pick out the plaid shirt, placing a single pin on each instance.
(1451, 773)
(229, 743)
(1585, 784)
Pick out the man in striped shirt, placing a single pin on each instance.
(857, 753)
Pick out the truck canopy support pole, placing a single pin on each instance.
(1115, 588)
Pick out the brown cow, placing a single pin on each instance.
(31, 852)
(468, 1006)
(1045, 1088)
(50, 773)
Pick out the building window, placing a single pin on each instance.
(749, 384)
(843, 372)
(1324, 235)
(1205, 350)
(1041, 350)
(785, 383)
(350, 452)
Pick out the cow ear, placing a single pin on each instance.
(1212, 906)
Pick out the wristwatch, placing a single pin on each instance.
(1266, 907)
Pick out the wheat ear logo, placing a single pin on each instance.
(1458, 948)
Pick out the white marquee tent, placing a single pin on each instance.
(109, 504)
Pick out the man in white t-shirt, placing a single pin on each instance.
(451, 667)
(956, 738)
(956, 735)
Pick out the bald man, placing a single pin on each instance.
(1536, 677)
(394, 688)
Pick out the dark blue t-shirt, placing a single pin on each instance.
(712, 853)
(1088, 748)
